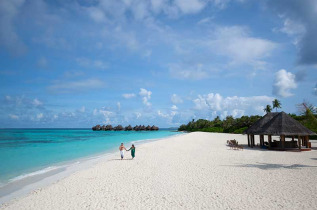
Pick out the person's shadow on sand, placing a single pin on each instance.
(120, 159)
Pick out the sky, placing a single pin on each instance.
(78, 63)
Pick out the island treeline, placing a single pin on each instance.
(238, 125)
(228, 125)
(307, 117)
(127, 128)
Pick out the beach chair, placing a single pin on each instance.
(232, 144)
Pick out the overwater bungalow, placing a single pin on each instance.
(282, 126)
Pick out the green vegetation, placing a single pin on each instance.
(276, 104)
(228, 125)
(267, 109)
(308, 118)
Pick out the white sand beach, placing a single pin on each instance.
(191, 171)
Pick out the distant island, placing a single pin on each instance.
(127, 128)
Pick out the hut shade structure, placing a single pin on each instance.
(257, 126)
(283, 124)
(279, 124)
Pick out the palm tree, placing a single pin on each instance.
(276, 104)
(267, 109)
(303, 107)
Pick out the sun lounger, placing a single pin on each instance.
(233, 144)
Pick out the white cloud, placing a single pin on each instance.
(299, 19)
(22, 101)
(39, 116)
(119, 106)
(204, 21)
(159, 113)
(82, 109)
(146, 102)
(119, 10)
(95, 112)
(211, 101)
(106, 113)
(96, 14)
(37, 102)
(237, 113)
(236, 43)
(64, 86)
(145, 93)
(174, 107)
(216, 50)
(284, 82)
(138, 115)
(128, 95)
(232, 105)
(190, 6)
(146, 96)
(140, 10)
(292, 27)
(14, 117)
(315, 90)
(68, 115)
(176, 99)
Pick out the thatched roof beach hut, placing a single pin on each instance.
(257, 126)
(279, 124)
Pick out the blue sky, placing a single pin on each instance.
(164, 62)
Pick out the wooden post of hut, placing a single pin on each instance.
(252, 141)
(307, 140)
(283, 141)
(299, 142)
(270, 140)
(248, 140)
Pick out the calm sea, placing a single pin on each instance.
(23, 152)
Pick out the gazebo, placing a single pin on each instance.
(282, 125)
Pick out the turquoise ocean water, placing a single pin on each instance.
(25, 151)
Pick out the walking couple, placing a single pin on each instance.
(122, 149)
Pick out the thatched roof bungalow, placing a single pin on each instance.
(257, 126)
(279, 124)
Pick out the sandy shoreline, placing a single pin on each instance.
(26, 183)
(190, 171)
